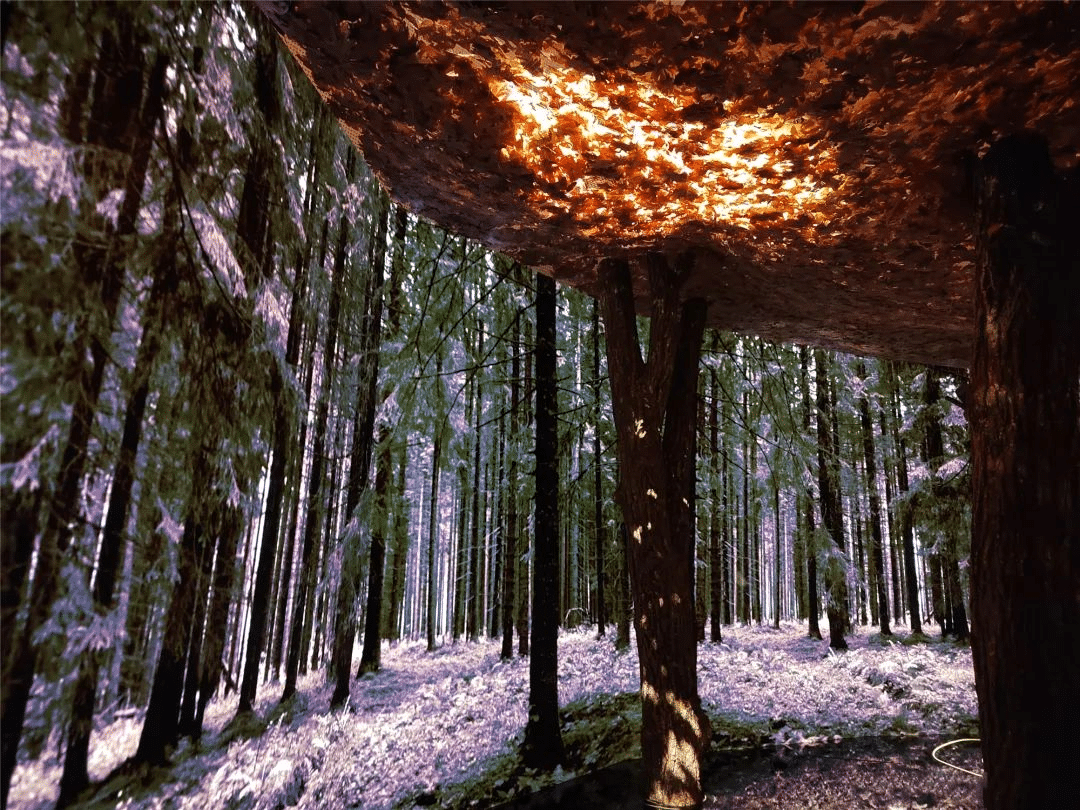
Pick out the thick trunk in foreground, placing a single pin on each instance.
(655, 405)
(543, 746)
(1025, 416)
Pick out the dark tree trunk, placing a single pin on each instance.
(474, 603)
(433, 526)
(727, 497)
(894, 546)
(1025, 416)
(832, 517)
(598, 480)
(951, 596)
(777, 558)
(161, 723)
(197, 626)
(717, 535)
(393, 604)
(363, 439)
(118, 101)
(461, 557)
(511, 563)
(911, 578)
(221, 598)
(813, 608)
(371, 656)
(75, 777)
(655, 404)
(294, 487)
(305, 585)
(523, 578)
(543, 746)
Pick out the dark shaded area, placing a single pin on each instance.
(869, 772)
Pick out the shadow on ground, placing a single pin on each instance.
(869, 772)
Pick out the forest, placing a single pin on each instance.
(272, 443)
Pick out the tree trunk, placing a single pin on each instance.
(911, 577)
(433, 521)
(75, 777)
(197, 625)
(370, 657)
(371, 653)
(511, 563)
(359, 465)
(1025, 416)
(655, 405)
(598, 480)
(118, 101)
(950, 594)
(306, 583)
(717, 535)
(831, 514)
(221, 598)
(543, 746)
(813, 608)
(161, 722)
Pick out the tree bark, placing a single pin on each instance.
(306, 583)
(359, 465)
(118, 102)
(161, 722)
(1025, 417)
(831, 514)
(543, 746)
(717, 535)
(598, 479)
(655, 406)
(511, 563)
(877, 550)
(221, 599)
(813, 607)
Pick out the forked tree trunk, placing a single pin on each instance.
(655, 404)
(1025, 416)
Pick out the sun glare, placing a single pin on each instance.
(604, 152)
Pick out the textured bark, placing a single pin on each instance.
(599, 525)
(221, 599)
(877, 549)
(1025, 416)
(511, 563)
(655, 407)
(315, 498)
(911, 579)
(433, 523)
(119, 123)
(953, 614)
(371, 653)
(543, 746)
(717, 534)
(161, 723)
(813, 607)
(363, 442)
(831, 514)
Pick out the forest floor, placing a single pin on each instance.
(795, 725)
